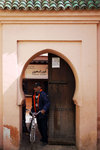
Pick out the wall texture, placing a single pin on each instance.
(98, 82)
(72, 36)
(1, 96)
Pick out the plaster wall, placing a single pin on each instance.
(1, 96)
(70, 34)
(98, 83)
(74, 43)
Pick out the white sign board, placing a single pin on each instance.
(55, 62)
(36, 71)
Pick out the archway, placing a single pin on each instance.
(64, 59)
(77, 89)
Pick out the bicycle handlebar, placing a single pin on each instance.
(38, 112)
(34, 112)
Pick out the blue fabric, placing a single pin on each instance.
(43, 102)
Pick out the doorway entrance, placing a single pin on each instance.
(59, 85)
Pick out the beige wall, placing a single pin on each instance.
(99, 82)
(1, 98)
(74, 41)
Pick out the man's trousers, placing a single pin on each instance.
(42, 126)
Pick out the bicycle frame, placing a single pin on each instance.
(33, 127)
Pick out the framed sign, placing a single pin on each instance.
(55, 62)
(34, 71)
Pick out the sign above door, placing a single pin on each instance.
(36, 71)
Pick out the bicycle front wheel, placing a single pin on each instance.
(32, 135)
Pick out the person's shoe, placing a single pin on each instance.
(44, 143)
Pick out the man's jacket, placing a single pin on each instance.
(43, 102)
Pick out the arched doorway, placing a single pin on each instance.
(61, 88)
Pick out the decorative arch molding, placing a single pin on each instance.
(76, 96)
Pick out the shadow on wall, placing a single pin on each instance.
(11, 133)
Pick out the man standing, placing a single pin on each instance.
(41, 103)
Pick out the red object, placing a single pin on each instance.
(37, 100)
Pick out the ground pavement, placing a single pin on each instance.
(26, 145)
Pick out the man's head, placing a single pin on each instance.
(37, 86)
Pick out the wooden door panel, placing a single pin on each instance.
(61, 86)
(61, 105)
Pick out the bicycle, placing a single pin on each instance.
(33, 126)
